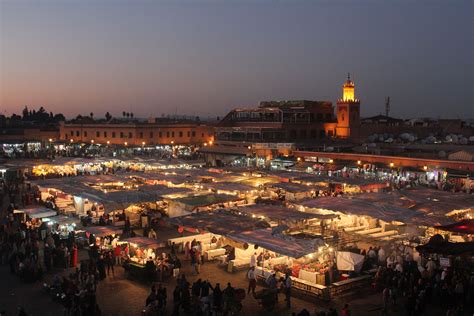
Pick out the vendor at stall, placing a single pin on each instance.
(145, 261)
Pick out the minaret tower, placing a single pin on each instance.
(348, 111)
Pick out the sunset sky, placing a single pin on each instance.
(207, 57)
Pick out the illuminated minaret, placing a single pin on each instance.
(348, 111)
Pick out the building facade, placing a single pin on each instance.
(137, 133)
(275, 128)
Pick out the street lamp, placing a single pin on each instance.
(92, 141)
(143, 143)
(425, 168)
(108, 142)
(125, 143)
(392, 165)
(359, 162)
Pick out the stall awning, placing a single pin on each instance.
(39, 212)
(438, 201)
(297, 187)
(279, 243)
(207, 199)
(64, 220)
(144, 242)
(463, 227)
(385, 212)
(280, 213)
(219, 222)
(228, 186)
(100, 231)
(447, 248)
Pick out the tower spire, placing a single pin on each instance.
(348, 76)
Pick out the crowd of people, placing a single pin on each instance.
(200, 298)
(405, 279)
(403, 275)
(35, 252)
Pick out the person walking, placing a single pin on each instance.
(118, 255)
(217, 298)
(251, 276)
(110, 263)
(176, 300)
(385, 300)
(287, 287)
(345, 310)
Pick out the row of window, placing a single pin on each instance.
(141, 134)
(313, 134)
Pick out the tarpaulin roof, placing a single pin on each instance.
(394, 198)
(101, 231)
(428, 201)
(278, 212)
(385, 212)
(360, 182)
(39, 212)
(447, 248)
(219, 222)
(228, 186)
(309, 177)
(297, 187)
(206, 199)
(279, 243)
(463, 227)
(111, 200)
(65, 220)
(144, 242)
(439, 201)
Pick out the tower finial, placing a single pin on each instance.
(348, 76)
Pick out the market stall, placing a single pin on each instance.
(143, 259)
(365, 222)
(63, 225)
(290, 191)
(230, 188)
(277, 215)
(209, 227)
(201, 202)
(309, 262)
(100, 238)
(36, 217)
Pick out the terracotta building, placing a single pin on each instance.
(152, 132)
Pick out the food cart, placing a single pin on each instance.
(102, 237)
(143, 259)
(63, 225)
